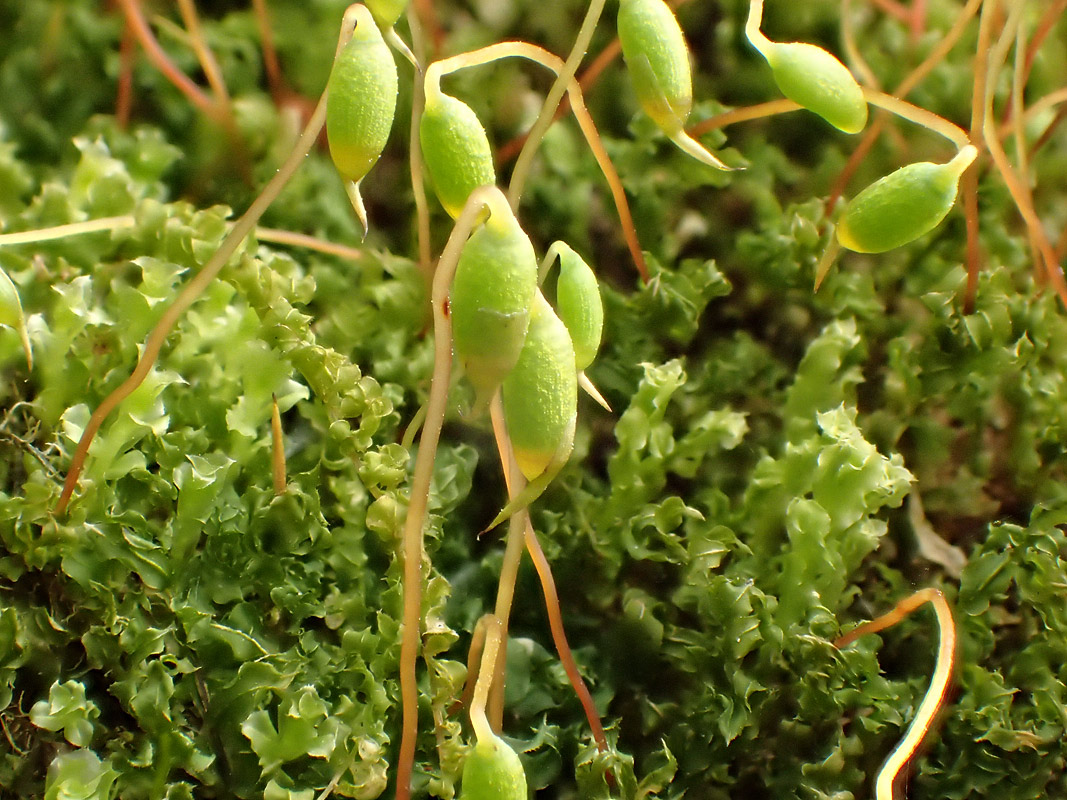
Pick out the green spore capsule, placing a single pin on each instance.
(541, 393)
(810, 76)
(360, 104)
(816, 80)
(11, 313)
(455, 147)
(493, 771)
(658, 62)
(580, 305)
(493, 289)
(903, 205)
(540, 398)
(387, 12)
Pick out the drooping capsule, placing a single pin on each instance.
(817, 80)
(540, 398)
(811, 77)
(455, 147)
(658, 62)
(903, 205)
(540, 394)
(493, 771)
(492, 292)
(361, 101)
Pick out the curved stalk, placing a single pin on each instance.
(474, 657)
(546, 59)
(509, 569)
(1016, 188)
(513, 478)
(752, 28)
(920, 116)
(759, 111)
(207, 59)
(418, 183)
(270, 55)
(412, 542)
(852, 50)
(307, 242)
(195, 287)
(939, 682)
(495, 636)
(274, 235)
(555, 94)
(139, 26)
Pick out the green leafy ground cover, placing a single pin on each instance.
(780, 465)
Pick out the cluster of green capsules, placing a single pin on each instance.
(505, 333)
(896, 209)
(507, 336)
(891, 212)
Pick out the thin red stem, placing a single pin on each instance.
(141, 30)
(511, 149)
(893, 9)
(275, 81)
(124, 95)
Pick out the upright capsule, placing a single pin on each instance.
(903, 205)
(811, 77)
(361, 101)
(658, 62)
(455, 147)
(493, 771)
(493, 289)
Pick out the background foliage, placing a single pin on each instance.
(781, 463)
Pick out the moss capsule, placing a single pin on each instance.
(454, 147)
(815, 79)
(361, 100)
(580, 306)
(903, 205)
(493, 289)
(541, 393)
(657, 60)
(493, 771)
(540, 398)
(387, 12)
(810, 76)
